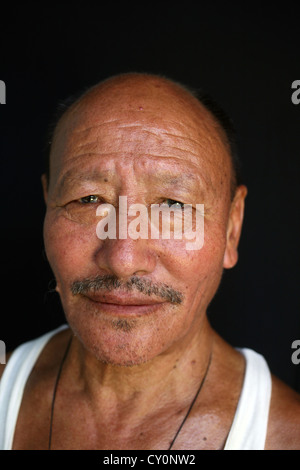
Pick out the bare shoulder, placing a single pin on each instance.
(32, 427)
(284, 419)
(52, 350)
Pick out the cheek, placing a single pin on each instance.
(198, 272)
(69, 247)
(197, 261)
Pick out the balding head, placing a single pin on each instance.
(157, 95)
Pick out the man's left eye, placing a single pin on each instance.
(172, 202)
(91, 199)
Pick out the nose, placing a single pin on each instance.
(126, 258)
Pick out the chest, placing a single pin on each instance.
(76, 425)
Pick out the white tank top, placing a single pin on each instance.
(248, 430)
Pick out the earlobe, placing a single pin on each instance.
(57, 289)
(44, 181)
(234, 227)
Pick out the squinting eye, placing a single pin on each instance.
(92, 199)
(171, 202)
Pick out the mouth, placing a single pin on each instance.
(127, 305)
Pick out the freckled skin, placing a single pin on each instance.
(128, 382)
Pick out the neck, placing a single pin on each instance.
(171, 376)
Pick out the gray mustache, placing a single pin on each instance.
(110, 282)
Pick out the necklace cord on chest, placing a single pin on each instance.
(55, 390)
(192, 404)
(56, 386)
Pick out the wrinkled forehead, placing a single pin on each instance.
(143, 99)
(141, 116)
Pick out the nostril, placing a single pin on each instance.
(125, 258)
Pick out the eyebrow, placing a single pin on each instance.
(188, 181)
(175, 179)
(164, 178)
(75, 177)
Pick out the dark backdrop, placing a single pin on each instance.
(247, 57)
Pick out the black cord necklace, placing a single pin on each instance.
(55, 390)
(193, 402)
(57, 381)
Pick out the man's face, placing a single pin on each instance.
(130, 300)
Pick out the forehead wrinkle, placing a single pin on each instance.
(96, 125)
(159, 127)
(184, 170)
(202, 134)
(177, 139)
(73, 176)
(149, 169)
(125, 122)
(183, 138)
(139, 148)
(172, 179)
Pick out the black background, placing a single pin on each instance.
(247, 57)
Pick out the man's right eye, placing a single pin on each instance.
(91, 199)
(84, 210)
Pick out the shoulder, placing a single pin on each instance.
(51, 344)
(284, 419)
(283, 432)
(45, 352)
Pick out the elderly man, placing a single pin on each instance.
(138, 365)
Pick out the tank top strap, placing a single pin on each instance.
(13, 381)
(249, 427)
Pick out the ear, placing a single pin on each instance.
(234, 227)
(44, 180)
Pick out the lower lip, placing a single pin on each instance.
(127, 310)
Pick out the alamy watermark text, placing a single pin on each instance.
(296, 94)
(2, 352)
(178, 221)
(2, 92)
(296, 354)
